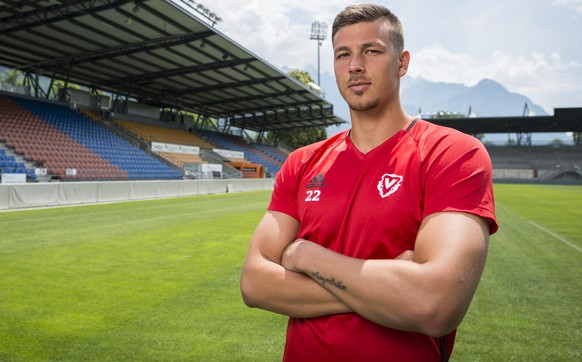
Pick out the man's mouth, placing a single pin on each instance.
(358, 86)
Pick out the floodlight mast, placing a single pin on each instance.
(319, 33)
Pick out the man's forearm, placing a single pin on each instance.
(269, 286)
(366, 286)
(266, 284)
(400, 294)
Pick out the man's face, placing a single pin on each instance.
(366, 66)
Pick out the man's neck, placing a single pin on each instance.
(371, 129)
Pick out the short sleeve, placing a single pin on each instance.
(459, 178)
(284, 198)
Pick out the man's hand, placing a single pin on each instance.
(291, 255)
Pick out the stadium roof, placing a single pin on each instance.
(160, 52)
(563, 120)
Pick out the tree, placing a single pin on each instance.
(445, 114)
(299, 137)
(13, 77)
(301, 76)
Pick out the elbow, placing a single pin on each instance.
(247, 295)
(440, 311)
(249, 290)
(436, 320)
(439, 327)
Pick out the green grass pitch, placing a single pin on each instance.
(159, 281)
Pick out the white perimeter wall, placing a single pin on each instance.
(19, 196)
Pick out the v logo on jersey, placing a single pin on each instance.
(388, 184)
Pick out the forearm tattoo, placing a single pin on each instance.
(331, 281)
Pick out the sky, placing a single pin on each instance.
(532, 47)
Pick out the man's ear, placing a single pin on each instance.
(404, 61)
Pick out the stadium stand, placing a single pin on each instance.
(272, 152)
(165, 134)
(73, 147)
(271, 164)
(90, 114)
(553, 162)
(181, 159)
(9, 165)
(154, 133)
(149, 133)
(76, 146)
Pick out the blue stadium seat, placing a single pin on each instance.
(99, 140)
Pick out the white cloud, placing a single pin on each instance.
(542, 77)
(545, 78)
(575, 5)
(439, 64)
(277, 31)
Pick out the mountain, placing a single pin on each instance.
(486, 99)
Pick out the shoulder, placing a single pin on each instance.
(428, 132)
(431, 138)
(457, 172)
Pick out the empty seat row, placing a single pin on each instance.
(58, 138)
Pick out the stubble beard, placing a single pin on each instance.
(361, 105)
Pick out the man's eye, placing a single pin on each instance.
(342, 55)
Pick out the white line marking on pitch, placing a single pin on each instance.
(556, 236)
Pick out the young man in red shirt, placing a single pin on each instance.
(375, 239)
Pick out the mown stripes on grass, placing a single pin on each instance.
(155, 280)
(527, 307)
(159, 280)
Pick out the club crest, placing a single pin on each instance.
(388, 184)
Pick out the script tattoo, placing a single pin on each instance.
(331, 281)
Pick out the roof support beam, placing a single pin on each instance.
(126, 49)
(47, 15)
(222, 86)
(258, 96)
(177, 72)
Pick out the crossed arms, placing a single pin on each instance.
(427, 290)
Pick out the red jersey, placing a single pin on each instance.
(370, 206)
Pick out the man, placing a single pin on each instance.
(375, 239)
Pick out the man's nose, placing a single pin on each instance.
(356, 64)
